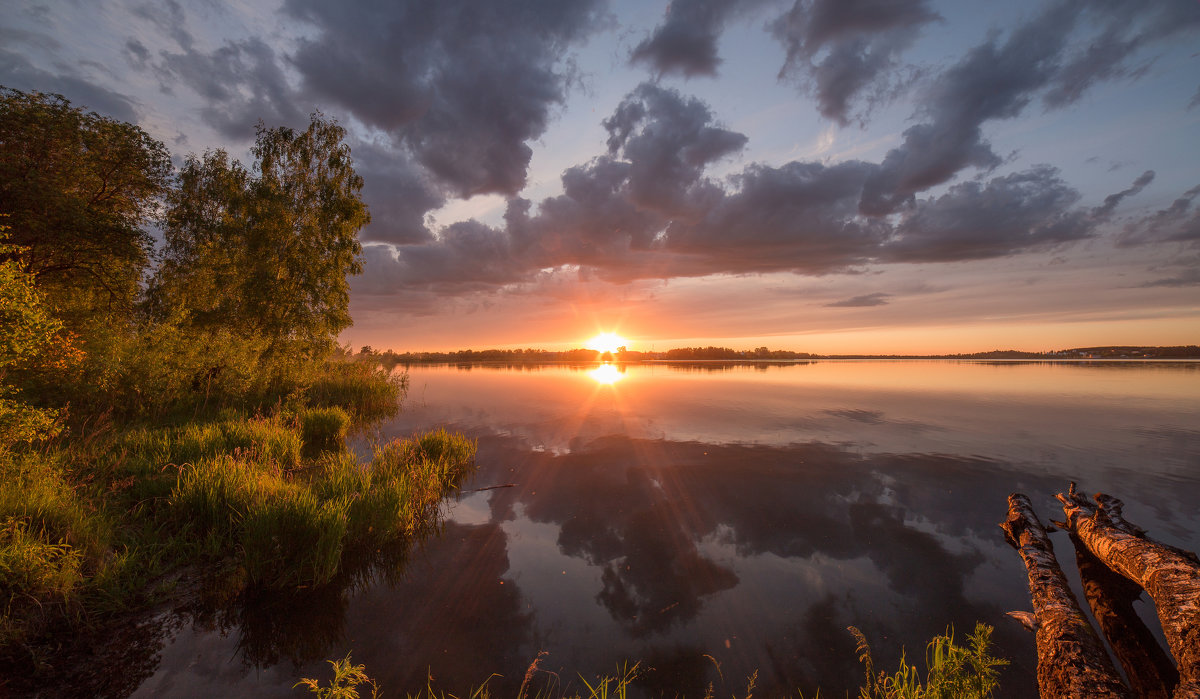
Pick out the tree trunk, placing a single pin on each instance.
(1171, 576)
(1072, 662)
(1151, 673)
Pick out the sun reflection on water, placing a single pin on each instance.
(606, 374)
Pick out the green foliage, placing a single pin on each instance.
(345, 682)
(290, 531)
(368, 392)
(323, 428)
(954, 671)
(28, 333)
(79, 188)
(269, 253)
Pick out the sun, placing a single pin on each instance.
(606, 342)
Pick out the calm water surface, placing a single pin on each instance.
(690, 515)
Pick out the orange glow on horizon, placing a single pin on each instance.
(606, 342)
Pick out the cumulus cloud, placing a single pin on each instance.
(17, 72)
(686, 42)
(668, 141)
(1025, 210)
(800, 217)
(1058, 54)
(845, 47)
(1178, 223)
(242, 83)
(462, 85)
(645, 209)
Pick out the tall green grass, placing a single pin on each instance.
(367, 392)
(290, 530)
(323, 429)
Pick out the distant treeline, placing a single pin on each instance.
(390, 358)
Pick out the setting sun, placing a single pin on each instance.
(606, 342)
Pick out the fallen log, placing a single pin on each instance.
(1171, 576)
(1149, 669)
(1072, 662)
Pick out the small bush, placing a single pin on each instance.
(323, 428)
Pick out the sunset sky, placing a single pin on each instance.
(816, 175)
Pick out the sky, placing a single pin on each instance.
(827, 176)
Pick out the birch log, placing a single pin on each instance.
(1171, 576)
(1072, 662)
(1149, 669)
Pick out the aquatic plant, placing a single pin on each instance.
(323, 428)
(954, 671)
(344, 684)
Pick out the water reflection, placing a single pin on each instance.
(607, 374)
(740, 515)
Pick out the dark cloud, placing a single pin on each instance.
(668, 141)
(242, 83)
(462, 85)
(1022, 211)
(864, 301)
(686, 42)
(1111, 201)
(844, 47)
(1059, 54)
(17, 72)
(1122, 29)
(1188, 277)
(993, 81)
(1178, 223)
(801, 216)
(169, 18)
(646, 210)
(398, 194)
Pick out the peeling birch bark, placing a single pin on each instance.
(1171, 576)
(1149, 669)
(1072, 662)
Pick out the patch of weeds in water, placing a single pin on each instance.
(323, 429)
(369, 393)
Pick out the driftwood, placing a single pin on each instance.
(1171, 576)
(1149, 669)
(1072, 662)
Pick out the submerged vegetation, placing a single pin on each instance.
(160, 423)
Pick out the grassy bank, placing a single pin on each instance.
(107, 517)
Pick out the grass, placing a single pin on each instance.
(954, 672)
(323, 429)
(368, 392)
(94, 521)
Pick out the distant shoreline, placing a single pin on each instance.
(764, 355)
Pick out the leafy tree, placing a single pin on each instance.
(78, 188)
(268, 254)
(29, 337)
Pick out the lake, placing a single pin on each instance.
(711, 521)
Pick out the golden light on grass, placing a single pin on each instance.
(606, 342)
(606, 374)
